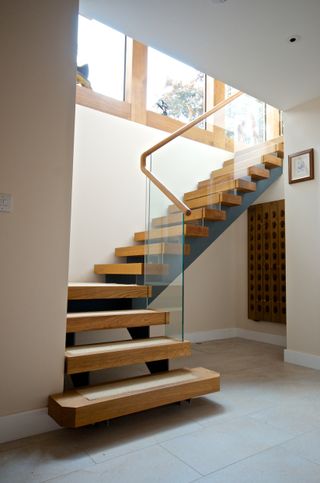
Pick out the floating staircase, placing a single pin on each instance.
(215, 204)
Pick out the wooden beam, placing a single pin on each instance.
(99, 102)
(136, 80)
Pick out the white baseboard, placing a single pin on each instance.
(28, 423)
(280, 340)
(206, 335)
(218, 334)
(302, 359)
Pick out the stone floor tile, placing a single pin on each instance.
(150, 465)
(217, 446)
(275, 465)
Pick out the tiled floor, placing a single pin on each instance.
(263, 427)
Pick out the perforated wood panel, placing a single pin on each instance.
(267, 262)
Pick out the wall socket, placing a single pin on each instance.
(5, 203)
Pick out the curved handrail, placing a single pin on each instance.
(143, 159)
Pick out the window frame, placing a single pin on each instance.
(134, 106)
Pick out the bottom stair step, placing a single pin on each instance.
(93, 404)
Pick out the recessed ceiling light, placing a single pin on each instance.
(294, 39)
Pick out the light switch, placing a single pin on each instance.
(5, 203)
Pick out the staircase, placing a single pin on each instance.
(125, 301)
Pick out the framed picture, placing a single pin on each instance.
(301, 166)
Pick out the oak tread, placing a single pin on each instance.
(130, 269)
(152, 249)
(105, 355)
(87, 291)
(238, 184)
(77, 408)
(271, 161)
(192, 231)
(198, 214)
(115, 319)
(258, 173)
(225, 199)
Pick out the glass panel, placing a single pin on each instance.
(205, 177)
(174, 88)
(164, 260)
(103, 49)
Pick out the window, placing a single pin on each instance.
(103, 49)
(246, 118)
(174, 88)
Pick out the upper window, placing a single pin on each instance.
(103, 49)
(174, 88)
(246, 118)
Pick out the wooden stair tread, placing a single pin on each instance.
(192, 231)
(238, 184)
(257, 173)
(271, 161)
(114, 319)
(84, 406)
(225, 199)
(152, 249)
(116, 354)
(273, 147)
(87, 291)
(270, 146)
(131, 269)
(205, 214)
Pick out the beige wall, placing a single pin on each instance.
(37, 52)
(303, 234)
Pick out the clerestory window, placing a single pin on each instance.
(174, 89)
(103, 50)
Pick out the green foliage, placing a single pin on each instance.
(183, 100)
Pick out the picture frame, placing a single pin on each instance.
(301, 166)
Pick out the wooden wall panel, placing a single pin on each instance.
(266, 262)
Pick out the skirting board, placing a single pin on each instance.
(273, 339)
(28, 423)
(218, 334)
(302, 359)
(206, 335)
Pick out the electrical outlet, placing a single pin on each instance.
(5, 203)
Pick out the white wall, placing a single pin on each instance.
(302, 127)
(37, 52)
(108, 199)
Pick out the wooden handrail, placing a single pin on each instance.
(143, 159)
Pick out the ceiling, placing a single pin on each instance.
(241, 42)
